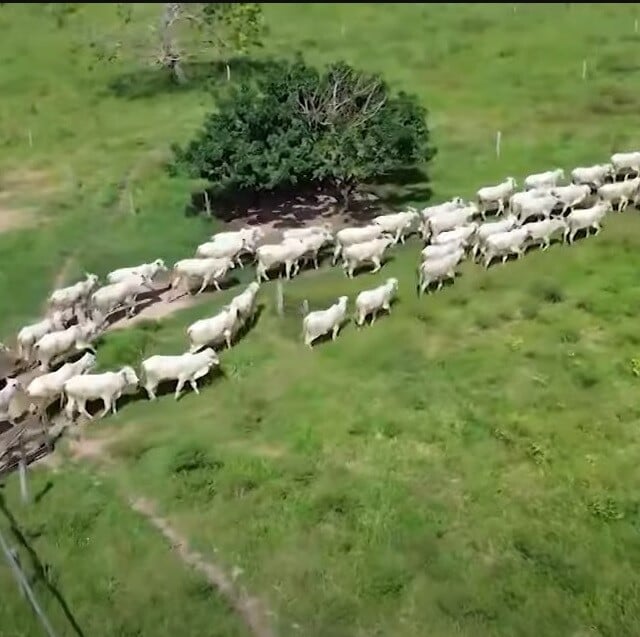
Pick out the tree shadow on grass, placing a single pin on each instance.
(145, 83)
(288, 208)
(402, 187)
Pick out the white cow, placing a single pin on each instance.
(452, 219)
(367, 252)
(228, 247)
(496, 194)
(30, 334)
(108, 387)
(519, 198)
(502, 244)
(308, 231)
(207, 270)
(540, 232)
(42, 390)
(216, 329)
(289, 252)
(251, 235)
(430, 211)
(493, 227)
(439, 270)
(185, 368)
(571, 196)
(541, 206)
(349, 236)
(586, 219)
(314, 244)
(621, 192)
(321, 322)
(7, 394)
(547, 179)
(150, 270)
(73, 296)
(445, 206)
(624, 162)
(111, 297)
(372, 301)
(398, 224)
(245, 302)
(595, 175)
(55, 344)
(463, 234)
(436, 251)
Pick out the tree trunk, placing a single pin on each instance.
(345, 191)
(177, 72)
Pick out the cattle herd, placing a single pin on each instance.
(452, 231)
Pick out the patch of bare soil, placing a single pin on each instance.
(160, 306)
(82, 448)
(248, 608)
(15, 218)
(26, 181)
(21, 184)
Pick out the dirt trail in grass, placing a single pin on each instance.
(250, 610)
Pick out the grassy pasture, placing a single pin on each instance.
(465, 467)
(103, 134)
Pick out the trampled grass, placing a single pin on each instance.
(465, 467)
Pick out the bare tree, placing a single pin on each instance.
(169, 34)
(344, 99)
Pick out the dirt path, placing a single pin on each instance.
(249, 609)
(161, 307)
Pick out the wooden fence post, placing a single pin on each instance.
(132, 205)
(22, 468)
(279, 298)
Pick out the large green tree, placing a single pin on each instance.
(296, 126)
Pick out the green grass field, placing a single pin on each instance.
(467, 466)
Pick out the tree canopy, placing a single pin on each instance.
(296, 126)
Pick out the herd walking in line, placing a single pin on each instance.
(452, 231)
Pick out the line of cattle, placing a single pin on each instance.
(451, 231)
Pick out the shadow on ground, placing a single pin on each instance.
(149, 82)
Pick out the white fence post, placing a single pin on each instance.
(498, 142)
(584, 69)
(279, 298)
